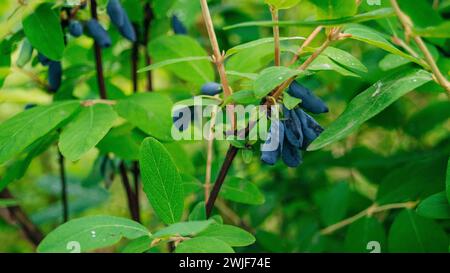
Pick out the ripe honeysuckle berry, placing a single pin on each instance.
(310, 102)
(115, 12)
(54, 75)
(211, 89)
(75, 28)
(43, 59)
(273, 146)
(293, 129)
(291, 155)
(98, 33)
(26, 51)
(178, 26)
(127, 29)
(311, 129)
(120, 19)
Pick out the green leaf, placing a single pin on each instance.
(185, 229)
(330, 9)
(241, 191)
(150, 112)
(198, 213)
(139, 245)
(231, 235)
(290, 102)
(25, 128)
(91, 233)
(392, 61)
(439, 31)
(359, 18)
(370, 103)
(244, 97)
(182, 46)
(258, 42)
(411, 233)
(363, 231)
(203, 244)
(123, 141)
(424, 121)
(86, 130)
(44, 32)
(334, 203)
(322, 62)
(282, 4)
(373, 37)
(161, 181)
(345, 59)
(17, 168)
(424, 179)
(435, 206)
(272, 77)
(173, 61)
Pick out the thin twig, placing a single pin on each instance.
(367, 212)
(218, 56)
(18, 215)
(63, 178)
(408, 26)
(305, 44)
(231, 154)
(134, 211)
(98, 57)
(276, 35)
(209, 155)
(148, 13)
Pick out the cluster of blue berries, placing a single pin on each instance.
(296, 131)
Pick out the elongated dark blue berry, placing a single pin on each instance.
(273, 146)
(43, 59)
(311, 129)
(211, 89)
(293, 130)
(127, 29)
(54, 75)
(291, 156)
(98, 33)
(178, 26)
(115, 12)
(310, 102)
(75, 28)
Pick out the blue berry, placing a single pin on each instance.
(115, 12)
(311, 129)
(43, 59)
(178, 26)
(98, 33)
(309, 101)
(273, 146)
(54, 75)
(75, 28)
(291, 156)
(293, 126)
(211, 89)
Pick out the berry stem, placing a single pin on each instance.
(408, 26)
(148, 13)
(63, 178)
(17, 215)
(276, 35)
(98, 57)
